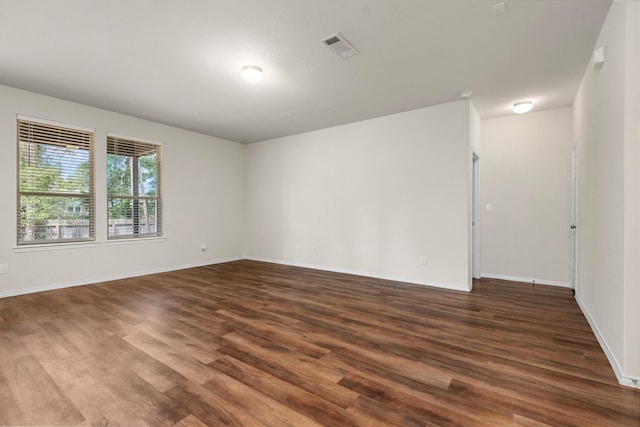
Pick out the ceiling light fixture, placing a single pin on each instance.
(522, 107)
(252, 73)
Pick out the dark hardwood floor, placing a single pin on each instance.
(255, 344)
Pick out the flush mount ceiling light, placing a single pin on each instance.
(522, 107)
(252, 73)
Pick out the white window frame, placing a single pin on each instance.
(136, 234)
(90, 196)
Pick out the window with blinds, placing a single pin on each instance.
(55, 183)
(134, 192)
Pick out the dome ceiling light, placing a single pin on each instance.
(522, 107)
(252, 73)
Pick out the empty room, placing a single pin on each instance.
(320, 213)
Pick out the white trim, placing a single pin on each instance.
(525, 280)
(574, 236)
(449, 286)
(77, 245)
(475, 218)
(54, 123)
(54, 246)
(620, 376)
(622, 379)
(133, 241)
(132, 138)
(17, 292)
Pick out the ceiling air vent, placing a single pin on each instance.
(338, 45)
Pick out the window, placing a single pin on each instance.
(55, 183)
(134, 196)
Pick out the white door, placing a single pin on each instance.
(574, 217)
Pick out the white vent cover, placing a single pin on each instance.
(499, 9)
(341, 47)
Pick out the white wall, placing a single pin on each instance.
(525, 174)
(632, 194)
(475, 129)
(370, 197)
(203, 201)
(607, 134)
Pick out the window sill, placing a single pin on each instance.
(140, 240)
(54, 246)
(80, 245)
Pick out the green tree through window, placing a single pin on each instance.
(133, 188)
(55, 188)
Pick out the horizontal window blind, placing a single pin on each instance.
(55, 183)
(134, 190)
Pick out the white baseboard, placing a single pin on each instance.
(526, 280)
(622, 378)
(17, 292)
(449, 286)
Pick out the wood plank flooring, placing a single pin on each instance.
(255, 344)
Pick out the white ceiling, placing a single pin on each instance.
(178, 61)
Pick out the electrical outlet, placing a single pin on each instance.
(203, 247)
(422, 260)
(315, 251)
(299, 247)
(4, 268)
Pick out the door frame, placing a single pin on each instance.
(573, 221)
(475, 218)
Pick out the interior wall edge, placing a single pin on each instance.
(623, 379)
(449, 286)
